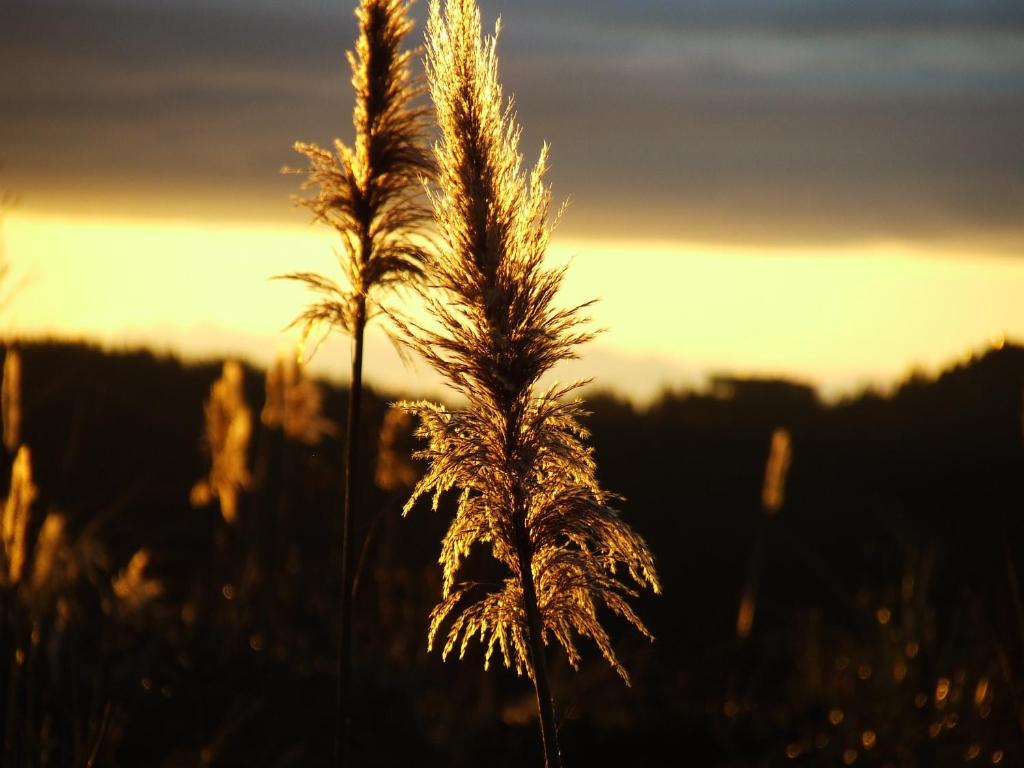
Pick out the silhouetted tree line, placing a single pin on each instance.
(888, 574)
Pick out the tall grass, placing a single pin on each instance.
(369, 193)
(50, 581)
(294, 403)
(773, 497)
(228, 428)
(516, 454)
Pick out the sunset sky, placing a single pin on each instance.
(824, 189)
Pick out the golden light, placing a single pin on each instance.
(745, 616)
(840, 317)
(780, 455)
(981, 692)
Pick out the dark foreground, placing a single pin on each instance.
(887, 627)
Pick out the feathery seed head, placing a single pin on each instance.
(228, 428)
(294, 403)
(133, 587)
(370, 192)
(745, 614)
(51, 548)
(17, 508)
(516, 454)
(395, 470)
(779, 457)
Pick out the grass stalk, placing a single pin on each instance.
(527, 481)
(352, 468)
(369, 193)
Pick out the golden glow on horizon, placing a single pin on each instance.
(839, 317)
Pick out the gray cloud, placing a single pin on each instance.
(719, 120)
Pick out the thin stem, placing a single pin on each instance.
(101, 733)
(344, 716)
(524, 553)
(364, 551)
(545, 706)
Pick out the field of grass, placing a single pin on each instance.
(887, 627)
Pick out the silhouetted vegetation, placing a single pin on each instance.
(888, 615)
(370, 193)
(515, 455)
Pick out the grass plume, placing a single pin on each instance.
(51, 548)
(17, 508)
(227, 432)
(773, 497)
(133, 587)
(370, 193)
(395, 471)
(517, 455)
(294, 403)
(780, 455)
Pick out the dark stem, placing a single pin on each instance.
(545, 706)
(344, 716)
(364, 551)
(524, 553)
(752, 584)
(101, 733)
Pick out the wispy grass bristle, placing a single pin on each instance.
(16, 513)
(526, 480)
(294, 403)
(228, 428)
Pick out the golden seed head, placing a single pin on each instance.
(745, 615)
(51, 549)
(133, 587)
(370, 192)
(773, 495)
(527, 481)
(395, 469)
(227, 432)
(17, 509)
(294, 403)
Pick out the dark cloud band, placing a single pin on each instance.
(724, 120)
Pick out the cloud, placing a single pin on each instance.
(713, 120)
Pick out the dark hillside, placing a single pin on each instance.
(886, 576)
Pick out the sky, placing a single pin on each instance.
(831, 190)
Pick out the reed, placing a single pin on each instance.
(227, 433)
(133, 586)
(294, 403)
(516, 454)
(370, 194)
(16, 511)
(773, 497)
